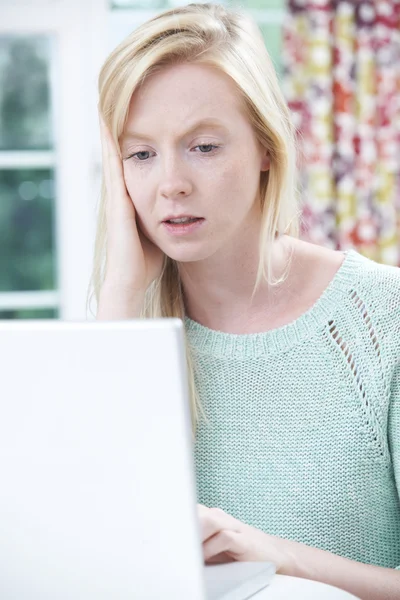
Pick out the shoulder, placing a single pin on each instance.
(377, 280)
(377, 291)
(377, 285)
(380, 285)
(368, 291)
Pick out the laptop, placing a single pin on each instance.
(98, 497)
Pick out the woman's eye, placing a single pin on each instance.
(209, 146)
(140, 155)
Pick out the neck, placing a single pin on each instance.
(218, 290)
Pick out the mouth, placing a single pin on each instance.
(185, 227)
(182, 220)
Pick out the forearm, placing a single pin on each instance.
(116, 303)
(368, 582)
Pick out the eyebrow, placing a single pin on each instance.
(204, 123)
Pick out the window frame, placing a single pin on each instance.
(78, 30)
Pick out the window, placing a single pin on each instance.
(48, 154)
(27, 245)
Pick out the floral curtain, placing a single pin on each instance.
(342, 82)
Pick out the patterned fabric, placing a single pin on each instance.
(302, 438)
(342, 82)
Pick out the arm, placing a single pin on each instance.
(225, 538)
(117, 303)
(368, 582)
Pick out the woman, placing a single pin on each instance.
(293, 349)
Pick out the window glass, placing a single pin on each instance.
(29, 313)
(27, 247)
(25, 122)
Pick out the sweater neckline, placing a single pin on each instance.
(251, 345)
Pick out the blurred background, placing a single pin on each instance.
(339, 67)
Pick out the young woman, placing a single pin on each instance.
(293, 349)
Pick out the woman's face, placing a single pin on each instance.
(194, 153)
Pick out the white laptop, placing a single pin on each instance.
(97, 487)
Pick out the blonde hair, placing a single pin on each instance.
(229, 40)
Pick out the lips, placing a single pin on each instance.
(173, 218)
(186, 222)
(178, 229)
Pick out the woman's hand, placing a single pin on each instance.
(226, 539)
(133, 261)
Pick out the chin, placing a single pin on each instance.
(187, 255)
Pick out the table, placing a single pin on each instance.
(284, 587)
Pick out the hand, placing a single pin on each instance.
(226, 539)
(133, 261)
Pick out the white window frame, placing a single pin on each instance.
(79, 29)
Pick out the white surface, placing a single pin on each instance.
(237, 580)
(284, 587)
(96, 472)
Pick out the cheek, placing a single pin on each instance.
(224, 177)
(238, 183)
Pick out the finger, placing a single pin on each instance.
(111, 160)
(118, 199)
(219, 559)
(214, 520)
(225, 541)
(104, 148)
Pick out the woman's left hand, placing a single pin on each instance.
(226, 539)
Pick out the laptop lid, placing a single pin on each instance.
(96, 470)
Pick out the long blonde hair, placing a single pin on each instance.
(229, 40)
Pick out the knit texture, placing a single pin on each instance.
(303, 432)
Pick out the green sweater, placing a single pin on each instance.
(303, 432)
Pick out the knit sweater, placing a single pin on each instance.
(302, 438)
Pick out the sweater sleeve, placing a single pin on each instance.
(394, 427)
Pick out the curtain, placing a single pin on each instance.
(341, 78)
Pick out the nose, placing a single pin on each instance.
(174, 179)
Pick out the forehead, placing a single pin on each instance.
(185, 92)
